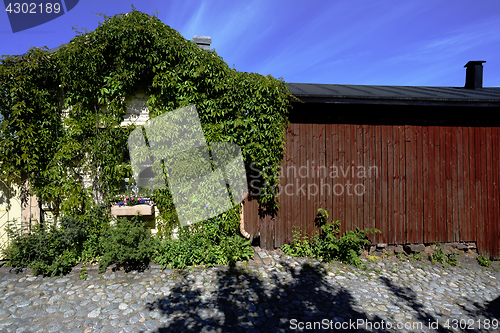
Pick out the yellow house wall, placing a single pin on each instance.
(10, 210)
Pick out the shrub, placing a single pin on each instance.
(128, 244)
(97, 221)
(47, 250)
(211, 242)
(329, 245)
(52, 250)
(484, 261)
(439, 256)
(302, 245)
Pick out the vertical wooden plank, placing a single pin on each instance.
(426, 230)
(465, 219)
(378, 182)
(347, 224)
(382, 237)
(484, 192)
(472, 184)
(489, 191)
(419, 208)
(442, 180)
(323, 167)
(338, 189)
(322, 170)
(358, 177)
(402, 186)
(449, 194)
(431, 212)
(410, 195)
(302, 178)
(396, 180)
(287, 177)
(327, 189)
(270, 232)
(460, 184)
(437, 183)
(479, 208)
(309, 163)
(349, 191)
(366, 179)
(313, 189)
(294, 178)
(453, 233)
(284, 217)
(374, 176)
(494, 225)
(390, 185)
(333, 171)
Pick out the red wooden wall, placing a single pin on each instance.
(421, 184)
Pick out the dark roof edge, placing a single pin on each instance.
(396, 95)
(396, 101)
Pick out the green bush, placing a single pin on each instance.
(47, 250)
(439, 256)
(52, 250)
(329, 245)
(303, 245)
(128, 244)
(211, 242)
(97, 222)
(484, 261)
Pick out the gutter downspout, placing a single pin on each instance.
(245, 234)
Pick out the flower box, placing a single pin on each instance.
(131, 210)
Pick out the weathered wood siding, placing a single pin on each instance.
(420, 184)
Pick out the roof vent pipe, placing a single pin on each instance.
(203, 41)
(474, 74)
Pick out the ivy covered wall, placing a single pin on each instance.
(94, 77)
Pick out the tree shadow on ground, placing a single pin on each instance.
(242, 301)
(488, 313)
(409, 297)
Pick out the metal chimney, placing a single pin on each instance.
(474, 74)
(203, 41)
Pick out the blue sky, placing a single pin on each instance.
(384, 42)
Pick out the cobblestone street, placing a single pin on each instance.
(272, 293)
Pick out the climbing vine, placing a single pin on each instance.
(60, 112)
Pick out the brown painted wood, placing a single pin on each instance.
(426, 220)
(494, 223)
(432, 183)
(419, 209)
(390, 186)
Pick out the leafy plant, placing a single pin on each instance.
(439, 256)
(416, 256)
(484, 261)
(128, 244)
(302, 245)
(83, 273)
(47, 250)
(211, 242)
(330, 245)
(372, 258)
(452, 259)
(62, 112)
(97, 221)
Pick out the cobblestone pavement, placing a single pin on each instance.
(272, 293)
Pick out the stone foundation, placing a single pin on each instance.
(466, 247)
